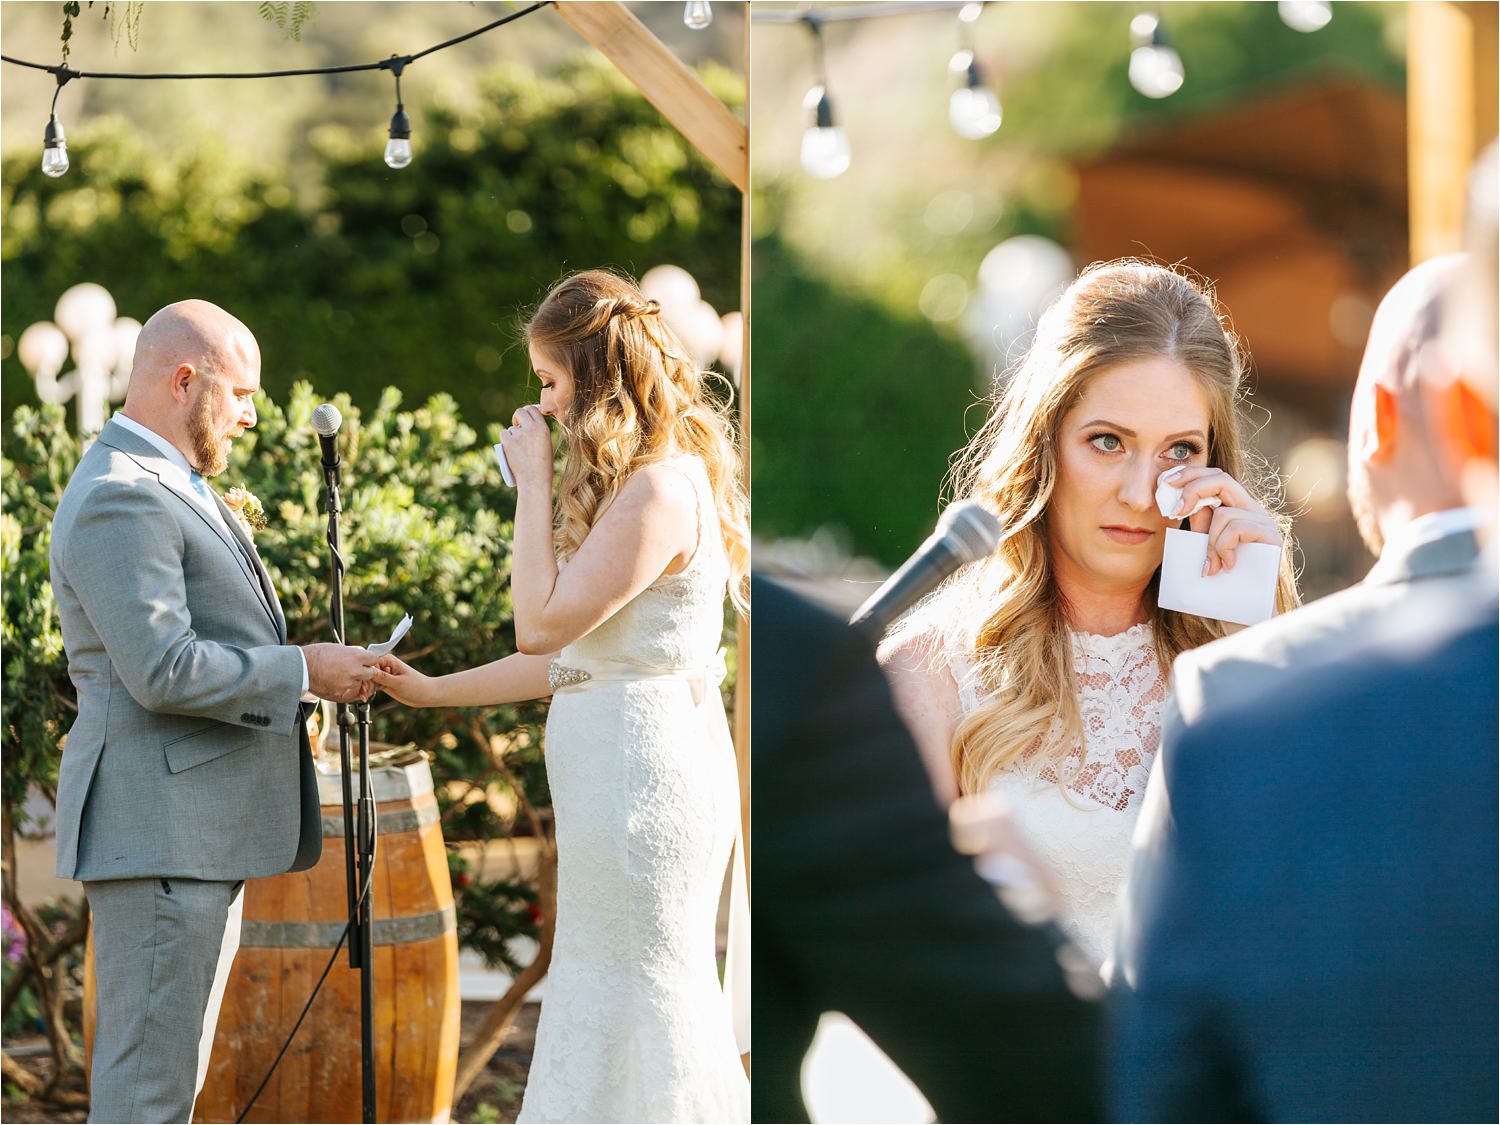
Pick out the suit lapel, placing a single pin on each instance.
(148, 458)
(262, 576)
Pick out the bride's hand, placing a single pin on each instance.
(1238, 519)
(528, 449)
(403, 683)
(980, 826)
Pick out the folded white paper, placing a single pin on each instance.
(1245, 595)
(401, 629)
(505, 474)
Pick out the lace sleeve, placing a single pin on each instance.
(917, 664)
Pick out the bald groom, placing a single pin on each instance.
(187, 770)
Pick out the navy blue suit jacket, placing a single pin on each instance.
(863, 906)
(1316, 932)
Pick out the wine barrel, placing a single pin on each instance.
(291, 925)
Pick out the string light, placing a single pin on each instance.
(973, 108)
(398, 148)
(398, 152)
(825, 146)
(1305, 15)
(1155, 66)
(698, 14)
(54, 143)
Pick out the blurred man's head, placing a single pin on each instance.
(1397, 470)
(1463, 402)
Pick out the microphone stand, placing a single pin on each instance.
(357, 869)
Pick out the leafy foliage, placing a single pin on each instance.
(37, 703)
(879, 396)
(289, 15)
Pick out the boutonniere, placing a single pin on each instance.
(247, 508)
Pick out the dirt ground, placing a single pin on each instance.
(494, 1097)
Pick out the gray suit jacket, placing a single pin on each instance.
(188, 757)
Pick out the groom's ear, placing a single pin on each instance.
(182, 380)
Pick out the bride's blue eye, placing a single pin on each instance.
(1105, 443)
(1182, 451)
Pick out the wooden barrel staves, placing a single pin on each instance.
(291, 924)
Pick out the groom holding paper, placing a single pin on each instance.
(187, 769)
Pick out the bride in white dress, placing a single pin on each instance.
(1040, 674)
(619, 607)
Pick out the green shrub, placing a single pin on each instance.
(426, 531)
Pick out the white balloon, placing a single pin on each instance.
(84, 308)
(43, 349)
(670, 286)
(1018, 279)
(731, 351)
(699, 329)
(126, 330)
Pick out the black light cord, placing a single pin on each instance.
(65, 73)
(364, 894)
(880, 9)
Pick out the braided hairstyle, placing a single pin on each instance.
(638, 398)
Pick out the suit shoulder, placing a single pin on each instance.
(1310, 634)
(108, 490)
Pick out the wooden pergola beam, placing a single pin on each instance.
(667, 84)
(1451, 109)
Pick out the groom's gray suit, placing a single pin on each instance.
(187, 769)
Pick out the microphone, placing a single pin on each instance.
(326, 421)
(966, 532)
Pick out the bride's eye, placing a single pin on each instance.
(1182, 451)
(1106, 443)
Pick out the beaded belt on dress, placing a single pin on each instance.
(562, 676)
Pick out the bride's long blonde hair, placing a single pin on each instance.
(1113, 313)
(638, 397)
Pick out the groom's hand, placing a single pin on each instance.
(341, 673)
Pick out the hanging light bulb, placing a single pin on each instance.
(825, 146)
(54, 144)
(398, 148)
(698, 14)
(1305, 15)
(1155, 66)
(54, 150)
(973, 108)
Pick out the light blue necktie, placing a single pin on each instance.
(200, 486)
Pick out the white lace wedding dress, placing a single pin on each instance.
(1082, 830)
(634, 1025)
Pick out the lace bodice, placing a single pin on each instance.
(677, 621)
(1082, 829)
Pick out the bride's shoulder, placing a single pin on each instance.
(912, 647)
(662, 487)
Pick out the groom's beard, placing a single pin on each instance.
(210, 453)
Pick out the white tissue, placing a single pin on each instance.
(1168, 497)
